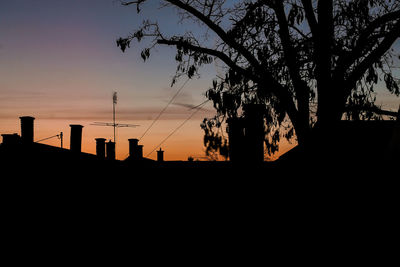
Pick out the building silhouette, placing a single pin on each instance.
(350, 142)
(22, 150)
(246, 135)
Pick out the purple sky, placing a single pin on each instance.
(59, 63)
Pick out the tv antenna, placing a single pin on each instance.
(114, 124)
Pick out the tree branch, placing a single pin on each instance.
(222, 56)
(380, 21)
(137, 2)
(373, 109)
(290, 56)
(348, 59)
(289, 52)
(324, 41)
(218, 30)
(132, 2)
(266, 80)
(375, 55)
(273, 85)
(312, 21)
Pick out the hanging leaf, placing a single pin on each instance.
(372, 75)
(123, 43)
(145, 54)
(391, 84)
(191, 71)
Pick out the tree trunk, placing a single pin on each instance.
(303, 106)
(329, 95)
(330, 105)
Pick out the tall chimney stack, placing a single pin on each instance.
(160, 155)
(27, 129)
(133, 143)
(254, 133)
(135, 150)
(101, 147)
(110, 149)
(236, 139)
(76, 138)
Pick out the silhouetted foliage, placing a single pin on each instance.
(214, 140)
(308, 62)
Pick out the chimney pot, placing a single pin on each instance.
(101, 147)
(135, 150)
(254, 132)
(236, 139)
(160, 155)
(10, 139)
(76, 138)
(139, 152)
(27, 129)
(110, 150)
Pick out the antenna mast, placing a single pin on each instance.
(114, 103)
(114, 124)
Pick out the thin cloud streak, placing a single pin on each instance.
(125, 114)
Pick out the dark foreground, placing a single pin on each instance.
(300, 210)
(197, 216)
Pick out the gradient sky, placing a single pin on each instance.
(59, 63)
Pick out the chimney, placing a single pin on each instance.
(160, 155)
(27, 129)
(254, 132)
(135, 150)
(139, 152)
(110, 149)
(76, 138)
(133, 143)
(101, 147)
(10, 139)
(236, 139)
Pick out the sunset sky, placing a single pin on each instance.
(60, 64)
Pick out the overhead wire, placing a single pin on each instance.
(197, 108)
(57, 135)
(163, 110)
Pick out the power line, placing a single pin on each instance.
(198, 107)
(57, 135)
(162, 111)
(60, 136)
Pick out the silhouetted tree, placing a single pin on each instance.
(306, 60)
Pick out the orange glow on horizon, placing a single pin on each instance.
(187, 142)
